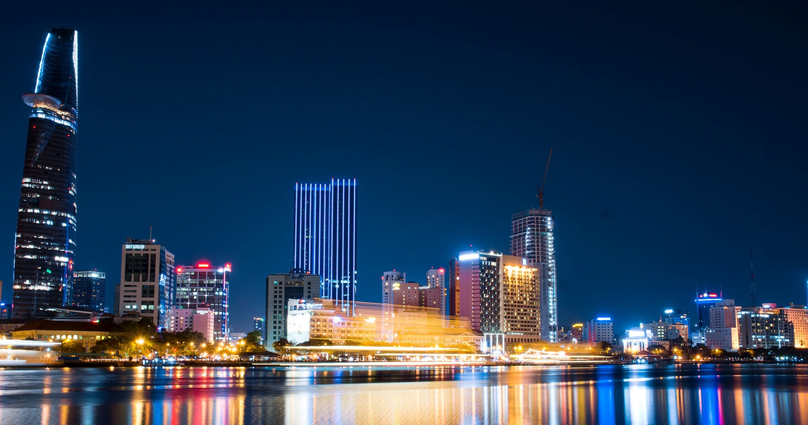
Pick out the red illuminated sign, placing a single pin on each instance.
(203, 265)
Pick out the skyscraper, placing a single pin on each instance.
(532, 238)
(325, 238)
(89, 289)
(148, 281)
(202, 286)
(45, 240)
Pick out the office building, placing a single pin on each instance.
(764, 327)
(89, 289)
(798, 316)
(205, 286)
(661, 331)
(436, 279)
(280, 289)
(45, 240)
(200, 320)
(500, 294)
(532, 238)
(259, 325)
(398, 295)
(600, 329)
(454, 288)
(391, 282)
(704, 302)
(148, 281)
(325, 238)
(577, 333)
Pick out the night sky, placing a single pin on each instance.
(678, 129)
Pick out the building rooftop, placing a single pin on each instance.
(63, 325)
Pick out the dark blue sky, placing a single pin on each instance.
(679, 133)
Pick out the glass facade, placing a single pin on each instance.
(45, 239)
(89, 289)
(203, 286)
(532, 238)
(325, 238)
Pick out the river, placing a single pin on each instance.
(639, 394)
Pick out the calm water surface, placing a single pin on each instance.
(706, 394)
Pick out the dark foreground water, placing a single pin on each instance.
(726, 394)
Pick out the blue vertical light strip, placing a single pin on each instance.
(41, 65)
(343, 245)
(297, 217)
(315, 235)
(76, 65)
(308, 227)
(329, 283)
(354, 271)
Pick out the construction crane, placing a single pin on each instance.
(541, 188)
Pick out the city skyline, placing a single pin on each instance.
(629, 198)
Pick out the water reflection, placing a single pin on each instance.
(473, 395)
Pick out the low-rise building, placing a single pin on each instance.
(200, 320)
(87, 333)
(721, 338)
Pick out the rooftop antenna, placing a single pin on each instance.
(752, 284)
(150, 232)
(541, 188)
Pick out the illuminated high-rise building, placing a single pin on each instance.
(532, 238)
(148, 281)
(325, 238)
(45, 239)
(499, 294)
(454, 288)
(391, 283)
(89, 289)
(436, 280)
(203, 286)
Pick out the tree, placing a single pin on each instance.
(133, 338)
(280, 345)
(72, 346)
(604, 347)
(185, 343)
(252, 343)
(109, 346)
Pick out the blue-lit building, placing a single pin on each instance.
(45, 239)
(704, 302)
(89, 289)
(325, 238)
